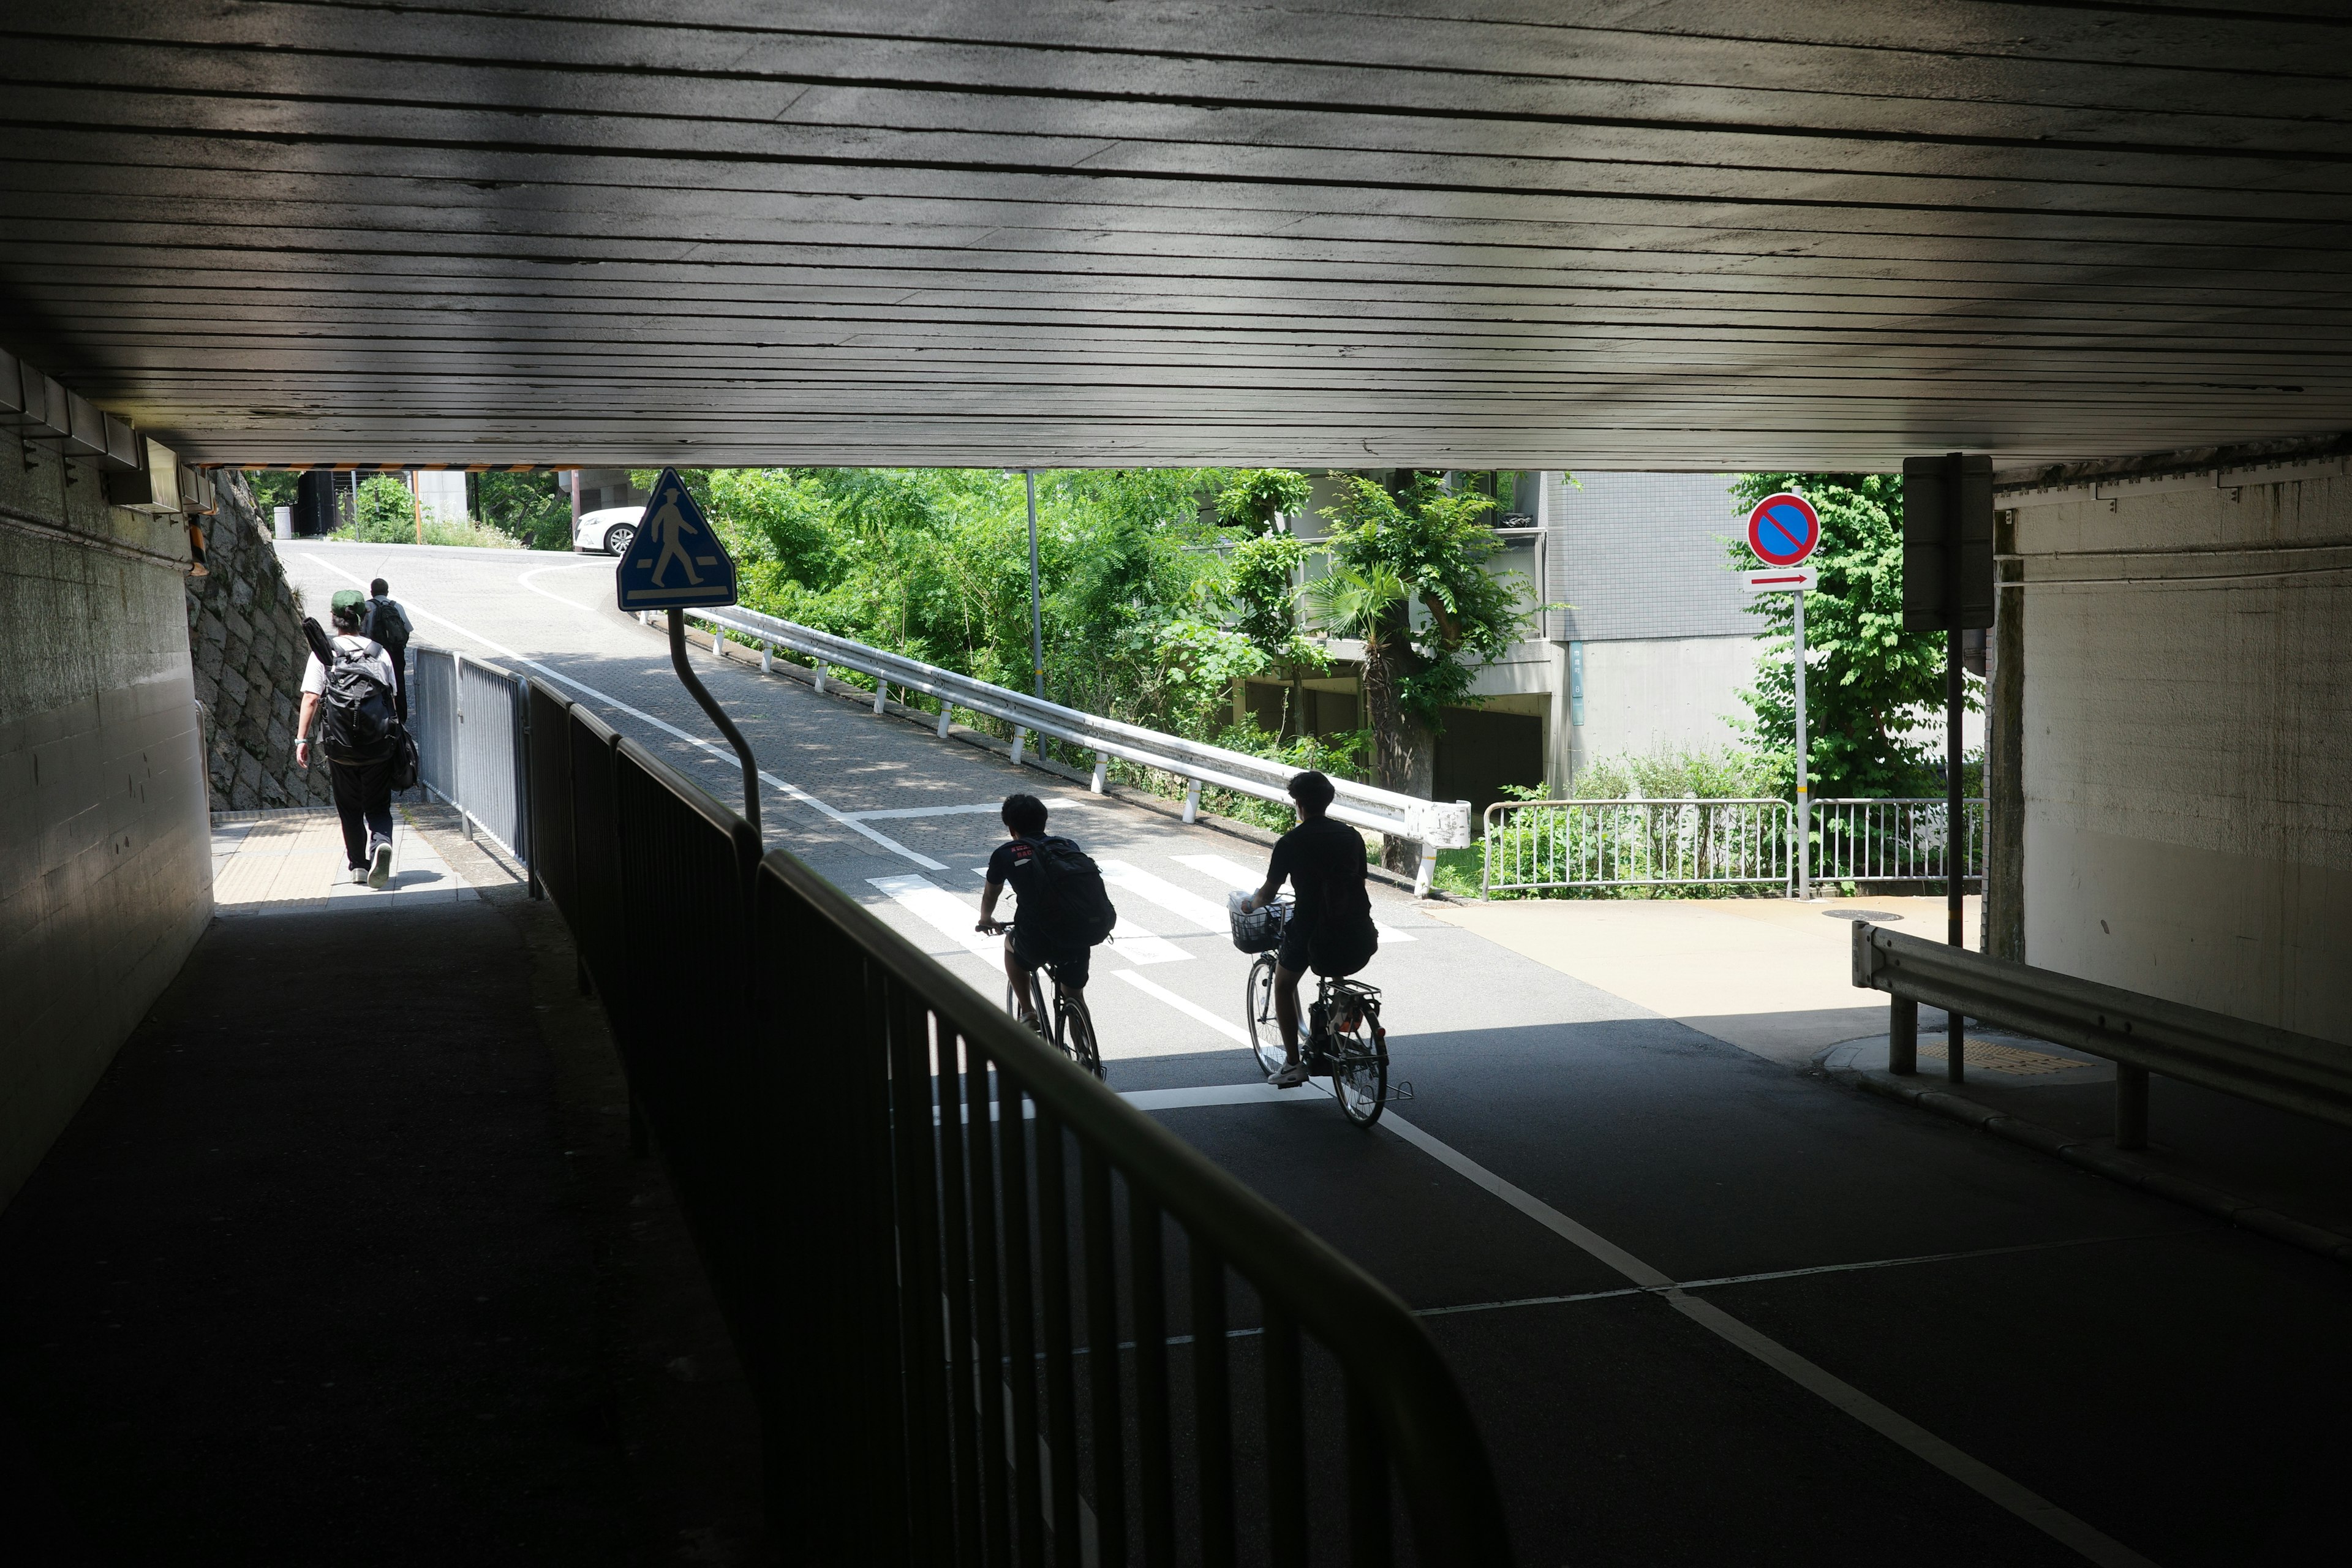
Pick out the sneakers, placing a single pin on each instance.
(359, 875)
(378, 873)
(1290, 1077)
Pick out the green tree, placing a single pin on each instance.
(1417, 547)
(1868, 682)
(387, 513)
(529, 506)
(1254, 498)
(1261, 594)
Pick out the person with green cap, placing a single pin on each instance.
(350, 678)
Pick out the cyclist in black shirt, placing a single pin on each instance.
(1331, 928)
(1034, 939)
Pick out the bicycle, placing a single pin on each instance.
(1343, 1037)
(1073, 1031)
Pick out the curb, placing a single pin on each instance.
(2087, 1154)
(858, 697)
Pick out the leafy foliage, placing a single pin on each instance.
(1261, 595)
(1254, 497)
(1730, 773)
(388, 515)
(1427, 547)
(1868, 682)
(530, 507)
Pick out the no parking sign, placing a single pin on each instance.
(1783, 529)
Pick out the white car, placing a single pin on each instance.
(609, 529)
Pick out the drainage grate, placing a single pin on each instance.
(2007, 1059)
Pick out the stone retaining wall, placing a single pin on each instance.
(245, 635)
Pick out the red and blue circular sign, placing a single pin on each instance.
(1783, 529)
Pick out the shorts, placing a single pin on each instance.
(1036, 950)
(1341, 953)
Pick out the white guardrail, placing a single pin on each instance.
(1435, 825)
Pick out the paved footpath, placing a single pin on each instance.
(1708, 1306)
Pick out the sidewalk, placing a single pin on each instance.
(345, 1260)
(1771, 975)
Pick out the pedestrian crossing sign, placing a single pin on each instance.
(675, 561)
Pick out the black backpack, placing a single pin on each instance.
(389, 631)
(360, 725)
(1069, 886)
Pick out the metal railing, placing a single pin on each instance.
(1538, 844)
(2139, 1034)
(991, 1312)
(1435, 825)
(1893, 840)
(471, 720)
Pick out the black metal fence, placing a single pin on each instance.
(993, 1313)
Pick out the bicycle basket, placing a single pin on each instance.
(1260, 930)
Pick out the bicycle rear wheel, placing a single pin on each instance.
(1073, 1031)
(1360, 1067)
(1257, 1006)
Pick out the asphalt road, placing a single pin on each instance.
(1707, 1308)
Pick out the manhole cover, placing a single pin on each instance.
(1872, 915)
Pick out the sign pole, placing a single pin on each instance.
(1804, 759)
(693, 684)
(1955, 692)
(1036, 601)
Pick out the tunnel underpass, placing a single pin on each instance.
(420, 1224)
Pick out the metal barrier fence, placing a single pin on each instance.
(471, 720)
(1435, 825)
(1895, 840)
(1538, 843)
(2139, 1034)
(991, 1312)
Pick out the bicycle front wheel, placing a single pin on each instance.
(1073, 1031)
(1360, 1069)
(1257, 1004)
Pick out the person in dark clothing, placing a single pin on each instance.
(363, 789)
(383, 622)
(1331, 928)
(1031, 943)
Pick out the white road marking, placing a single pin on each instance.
(1233, 874)
(983, 808)
(1191, 1010)
(1186, 906)
(946, 914)
(1130, 940)
(1904, 1433)
(724, 755)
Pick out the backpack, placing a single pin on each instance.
(1076, 904)
(388, 630)
(360, 725)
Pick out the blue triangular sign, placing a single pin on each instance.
(676, 561)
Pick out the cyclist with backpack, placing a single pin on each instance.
(1330, 929)
(1063, 911)
(387, 626)
(350, 680)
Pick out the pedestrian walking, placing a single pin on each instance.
(349, 683)
(387, 625)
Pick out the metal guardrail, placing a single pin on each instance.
(1900, 839)
(934, 1238)
(1535, 845)
(471, 720)
(1538, 844)
(1435, 825)
(2141, 1034)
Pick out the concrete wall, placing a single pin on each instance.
(1665, 694)
(2186, 753)
(105, 859)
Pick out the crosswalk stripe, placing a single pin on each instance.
(1130, 940)
(1234, 874)
(1188, 906)
(1192, 1010)
(941, 910)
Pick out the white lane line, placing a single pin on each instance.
(944, 912)
(1127, 940)
(1219, 1094)
(984, 808)
(1233, 874)
(1191, 1010)
(1900, 1430)
(1188, 906)
(723, 754)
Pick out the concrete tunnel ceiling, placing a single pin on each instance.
(1809, 232)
